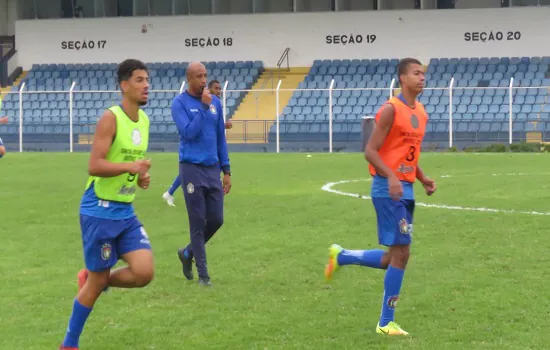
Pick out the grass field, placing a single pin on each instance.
(476, 280)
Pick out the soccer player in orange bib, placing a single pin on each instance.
(393, 152)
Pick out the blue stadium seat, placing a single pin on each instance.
(53, 108)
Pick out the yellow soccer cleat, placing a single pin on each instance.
(391, 328)
(332, 265)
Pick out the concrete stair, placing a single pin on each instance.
(15, 83)
(257, 111)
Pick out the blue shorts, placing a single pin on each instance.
(105, 240)
(395, 220)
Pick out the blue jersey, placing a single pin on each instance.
(202, 131)
(91, 205)
(1, 143)
(380, 188)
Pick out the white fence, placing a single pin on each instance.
(275, 116)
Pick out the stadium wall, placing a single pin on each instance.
(430, 33)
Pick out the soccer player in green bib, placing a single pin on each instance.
(110, 228)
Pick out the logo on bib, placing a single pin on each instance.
(136, 137)
(190, 188)
(414, 121)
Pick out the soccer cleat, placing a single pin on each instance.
(391, 328)
(61, 347)
(169, 199)
(332, 265)
(187, 264)
(205, 281)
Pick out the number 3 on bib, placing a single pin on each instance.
(410, 154)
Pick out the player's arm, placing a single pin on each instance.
(429, 184)
(379, 134)
(189, 129)
(2, 149)
(223, 154)
(420, 176)
(103, 138)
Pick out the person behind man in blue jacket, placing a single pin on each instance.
(215, 87)
(202, 154)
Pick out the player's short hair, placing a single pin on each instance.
(212, 82)
(127, 68)
(404, 65)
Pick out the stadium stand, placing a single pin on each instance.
(480, 98)
(46, 101)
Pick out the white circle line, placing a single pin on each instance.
(329, 188)
(495, 174)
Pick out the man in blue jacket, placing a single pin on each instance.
(215, 87)
(203, 152)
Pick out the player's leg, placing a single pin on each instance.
(168, 196)
(134, 248)
(195, 202)
(394, 232)
(99, 257)
(196, 211)
(214, 197)
(83, 305)
(374, 258)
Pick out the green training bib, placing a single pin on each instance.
(130, 144)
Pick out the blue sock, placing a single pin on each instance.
(76, 324)
(175, 185)
(370, 258)
(392, 286)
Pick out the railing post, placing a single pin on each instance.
(71, 96)
(451, 112)
(224, 103)
(182, 86)
(21, 116)
(330, 115)
(391, 87)
(510, 102)
(278, 112)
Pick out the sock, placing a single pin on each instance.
(76, 324)
(392, 286)
(175, 185)
(370, 258)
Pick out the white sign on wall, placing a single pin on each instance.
(310, 36)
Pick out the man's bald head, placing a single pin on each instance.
(194, 67)
(196, 78)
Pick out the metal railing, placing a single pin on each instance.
(327, 109)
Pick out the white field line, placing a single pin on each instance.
(329, 188)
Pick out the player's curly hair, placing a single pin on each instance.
(127, 68)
